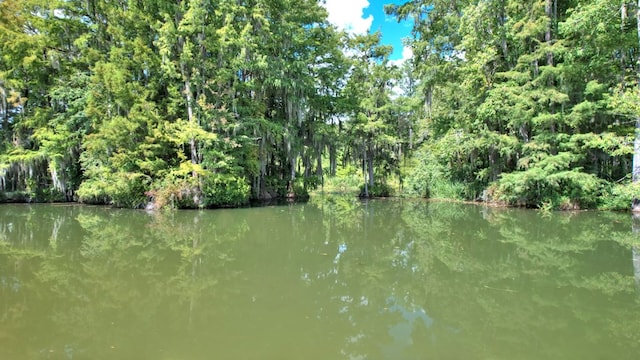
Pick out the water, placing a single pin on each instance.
(332, 279)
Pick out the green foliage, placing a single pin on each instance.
(43, 194)
(174, 193)
(310, 183)
(239, 90)
(121, 189)
(301, 189)
(501, 95)
(346, 181)
(276, 187)
(377, 190)
(533, 101)
(225, 190)
(429, 179)
(179, 188)
(618, 197)
(422, 175)
(16, 196)
(459, 165)
(543, 187)
(549, 180)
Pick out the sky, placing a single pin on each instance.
(358, 16)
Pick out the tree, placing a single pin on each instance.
(370, 126)
(41, 86)
(635, 206)
(131, 102)
(532, 110)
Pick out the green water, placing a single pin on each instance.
(332, 279)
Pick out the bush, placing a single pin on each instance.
(179, 188)
(15, 196)
(535, 187)
(447, 189)
(94, 191)
(49, 195)
(377, 190)
(175, 193)
(618, 197)
(311, 182)
(429, 179)
(223, 190)
(346, 181)
(122, 189)
(275, 188)
(342, 185)
(300, 191)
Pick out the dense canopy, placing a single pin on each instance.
(201, 103)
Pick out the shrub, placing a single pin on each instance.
(49, 195)
(121, 189)
(94, 191)
(275, 187)
(346, 181)
(311, 182)
(428, 178)
(222, 190)
(180, 188)
(300, 191)
(619, 196)
(175, 193)
(535, 187)
(377, 190)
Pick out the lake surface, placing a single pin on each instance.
(332, 279)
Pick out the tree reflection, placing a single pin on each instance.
(635, 248)
(335, 278)
(493, 282)
(126, 270)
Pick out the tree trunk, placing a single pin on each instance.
(262, 189)
(4, 111)
(503, 34)
(308, 167)
(635, 205)
(190, 116)
(364, 172)
(333, 160)
(319, 172)
(428, 103)
(410, 138)
(623, 58)
(292, 177)
(370, 167)
(548, 8)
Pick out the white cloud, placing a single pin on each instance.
(348, 15)
(407, 54)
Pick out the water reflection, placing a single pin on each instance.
(635, 249)
(336, 278)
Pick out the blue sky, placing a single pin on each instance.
(358, 16)
(392, 31)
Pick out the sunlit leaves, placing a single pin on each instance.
(556, 77)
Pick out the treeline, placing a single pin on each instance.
(202, 103)
(530, 102)
(186, 103)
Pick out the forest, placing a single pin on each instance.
(214, 103)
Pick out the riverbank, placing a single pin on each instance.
(616, 198)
